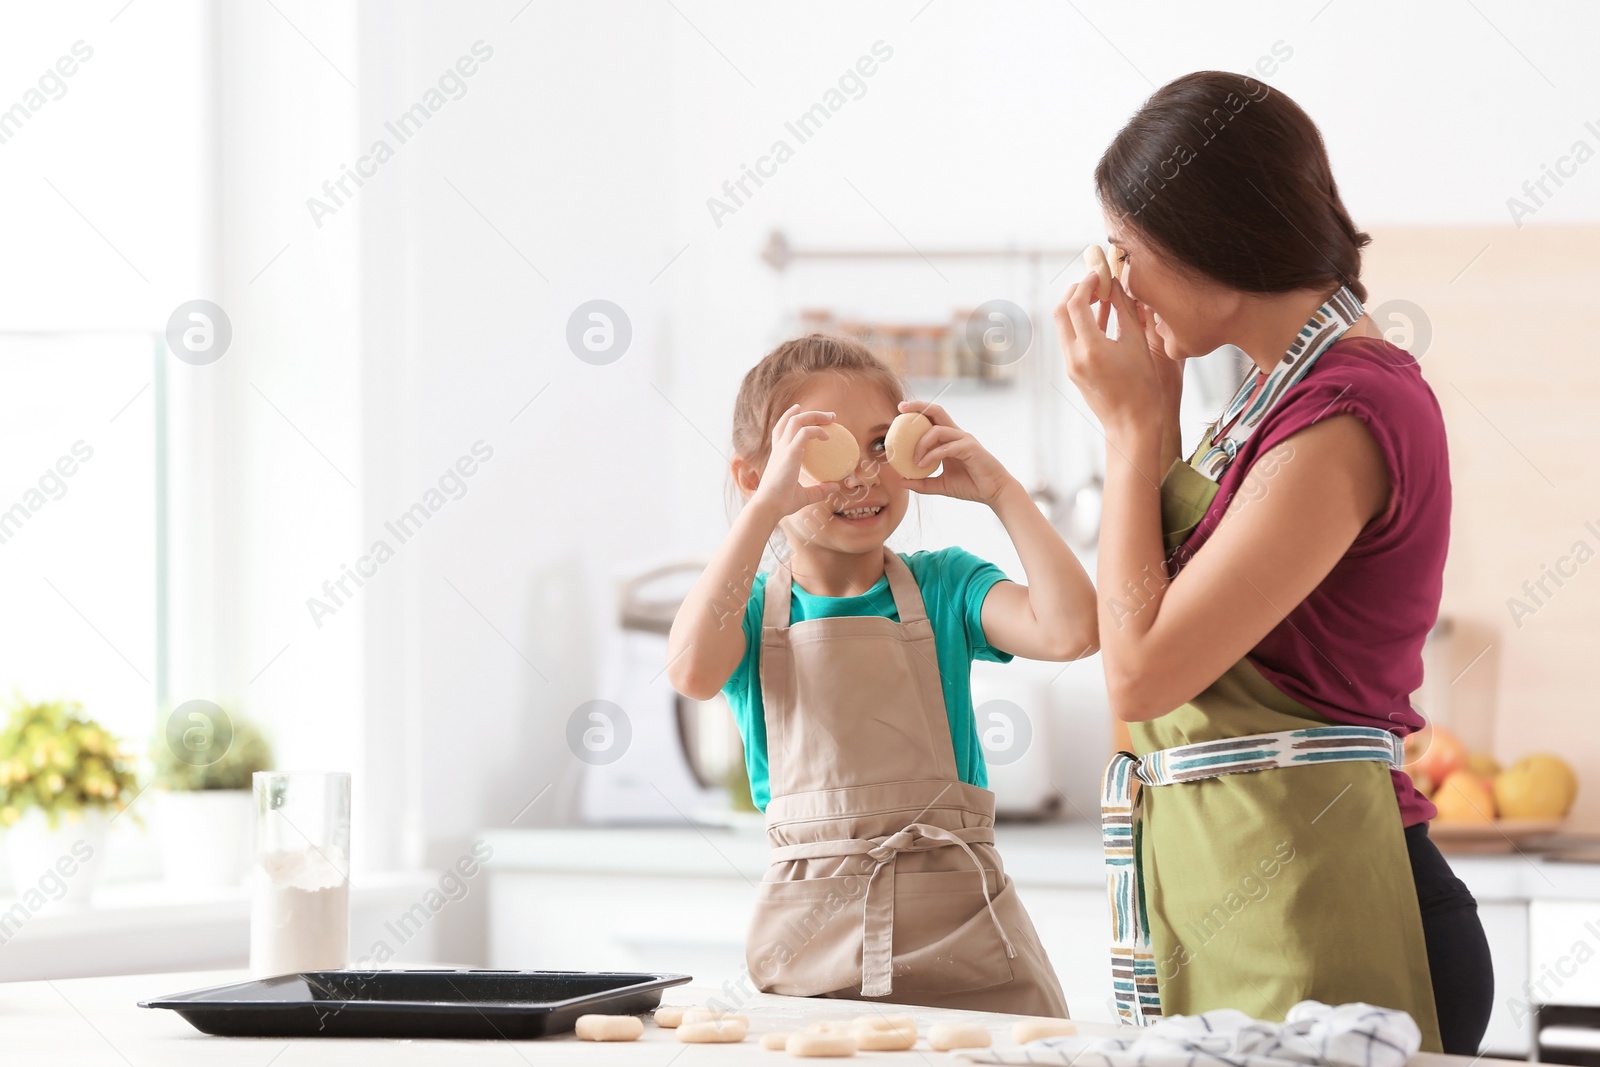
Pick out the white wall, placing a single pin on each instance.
(592, 141)
(422, 316)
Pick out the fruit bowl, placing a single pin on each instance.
(1494, 835)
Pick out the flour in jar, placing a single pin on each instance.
(300, 912)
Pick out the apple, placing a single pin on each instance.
(1483, 765)
(1540, 786)
(1464, 797)
(1434, 752)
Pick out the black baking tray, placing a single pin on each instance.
(423, 1003)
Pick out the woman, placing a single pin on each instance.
(1277, 587)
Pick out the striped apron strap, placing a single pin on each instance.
(1133, 965)
(1133, 968)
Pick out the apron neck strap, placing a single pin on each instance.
(907, 597)
(902, 585)
(1250, 405)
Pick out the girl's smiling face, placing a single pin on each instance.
(866, 411)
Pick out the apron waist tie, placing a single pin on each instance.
(877, 941)
(1133, 966)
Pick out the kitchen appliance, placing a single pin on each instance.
(1015, 713)
(681, 752)
(462, 1003)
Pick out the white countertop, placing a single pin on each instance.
(1059, 854)
(96, 1021)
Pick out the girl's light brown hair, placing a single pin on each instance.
(771, 385)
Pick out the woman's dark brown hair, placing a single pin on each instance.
(1231, 178)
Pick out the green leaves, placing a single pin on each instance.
(54, 758)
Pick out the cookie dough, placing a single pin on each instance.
(900, 444)
(1114, 257)
(1026, 1030)
(724, 1031)
(609, 1027)
(1095, 257)
(812, 1043)
(885, 1033)
(945, 1036)
(833, 459)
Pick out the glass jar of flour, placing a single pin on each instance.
(300, 884)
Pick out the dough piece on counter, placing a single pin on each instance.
(885, 1033)
(727, 1030)
(831, 460)
(943, 1037)
(832, 1026)
(1026, 1030)
(609, 1027)
(900, 444)
(669, 1016)
(1095, 257)
(817, 1043)
(776, 1041)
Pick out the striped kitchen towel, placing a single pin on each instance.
(1349, 1035)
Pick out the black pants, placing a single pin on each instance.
(1458, 952)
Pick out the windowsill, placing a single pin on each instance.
(153, 926)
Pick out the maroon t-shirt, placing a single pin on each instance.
(1352, 650)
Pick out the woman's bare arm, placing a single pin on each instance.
(1163, 642)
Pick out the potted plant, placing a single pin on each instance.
(62, 775)
(203, 807)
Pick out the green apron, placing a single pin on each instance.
(1263, 889)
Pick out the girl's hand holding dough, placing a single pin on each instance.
(782, 490)
(970, 472)
(899, 444)
(831, 458)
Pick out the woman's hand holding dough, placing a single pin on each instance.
(970, 472)
(781, 489)
(1127, 379)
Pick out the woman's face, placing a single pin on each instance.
(1189, 311)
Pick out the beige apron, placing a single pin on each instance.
(884, 880)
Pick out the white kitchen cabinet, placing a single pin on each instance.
(1563, 953)
(591, 922)
(681, 899)
(1075, 928)
(1505, 924)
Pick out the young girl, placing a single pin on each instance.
(850, 683)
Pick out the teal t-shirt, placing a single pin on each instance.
(953, 583)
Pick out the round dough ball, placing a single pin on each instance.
(900, 444)
(1095, 257)
(831, 460)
